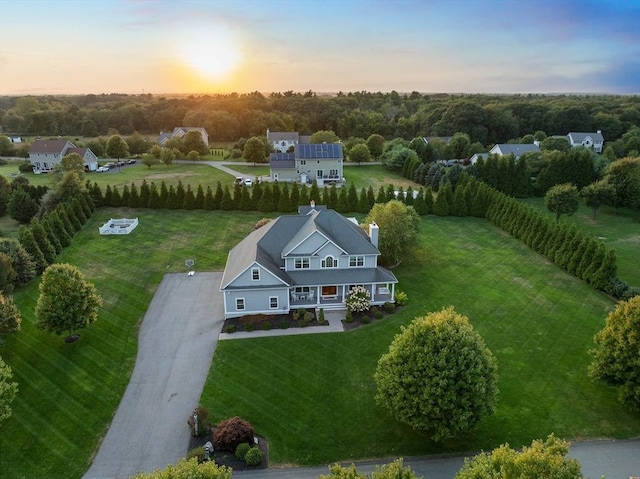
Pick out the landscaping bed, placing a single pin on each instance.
(229, 459)
(265, 322)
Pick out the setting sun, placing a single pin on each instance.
(212, 53)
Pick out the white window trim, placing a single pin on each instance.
(271, 306)
(244, 305)
(353, 261)
(334, 264)
(301, 263)
(253, 270)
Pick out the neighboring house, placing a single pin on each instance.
(323, 162)
(515, 149)
(283, 141)
(588, 140)
(444, 139)
(181, 131)
(45, 154)
(308, 260)
(476, 156)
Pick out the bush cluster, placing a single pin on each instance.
(232, 432)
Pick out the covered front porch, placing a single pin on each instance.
(334, 295)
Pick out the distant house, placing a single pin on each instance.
(515, 149)
(308, 260)
(181, 131)
(588, 140)
(45, 154)
(322, 162)
(283, 141)
(477, 156)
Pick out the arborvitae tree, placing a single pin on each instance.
(441, 207)
(343, 202)
(295, 197)
(144, 194)
(227, 201)
(172, 202)
(605, 275)
(7, 275)
(540, 244)
(391, 193)
(400, 195)
(79, 211)
(371, 197)
(521, 179)
(506, 174)
(275, 193)
(562, 256)
(428, 200)
(326, 192)
(490, 171)
(51, 235)
(595, 263)
(180, 192)
(73, 219)
(256, 194)
(126, 196)
(245, 201)
(434, 176)
(21, 206)
(217, 197)
(333, 197)
(189, 202)
(116, 198)
(134, 196)
(419, 205)
(58, 229)
(576, 257)
(363, 203)
(448, 191)
(21, 261)
(154, 197)
(382, 195)
(284, 202)
(237, 193)
(208, 200)
(314, 194)
(587, 258)
(199, 198)
(107, 199)
(352, 198)
(42, 238)
(304, 196)
(96, 195)
(164, 195)
(459, 207)
(266, 204)
(28, 242)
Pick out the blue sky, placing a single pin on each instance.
(216, 46)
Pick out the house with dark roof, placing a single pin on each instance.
(308, 260)
(44, 155)
(180, 132)
(322, 162)
(283, 141)
(588, 140)
(515, 149)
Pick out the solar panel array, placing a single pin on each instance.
(281, 156)
(319, 150)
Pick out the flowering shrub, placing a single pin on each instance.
(358, 299)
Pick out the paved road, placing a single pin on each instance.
(611, 459)
(176, 342)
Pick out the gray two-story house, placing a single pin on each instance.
(44, 155)
(322, 162)
(308, 260)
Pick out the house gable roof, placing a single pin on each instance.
(578, 137)
(50, 146)
(516, 149)
(274, 136)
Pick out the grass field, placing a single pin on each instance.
(312, 396)
(619, 230)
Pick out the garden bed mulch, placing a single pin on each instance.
(265, 322)
(229, 459)
(360, 319)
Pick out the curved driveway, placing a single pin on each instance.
(176, 343)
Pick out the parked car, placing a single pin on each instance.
(239, 180)
(102, 169)
(131, 161)
(110, 165)
(248, 182)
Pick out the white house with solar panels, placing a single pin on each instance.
(322, 162)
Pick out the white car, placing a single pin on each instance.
(248, 182)
(102, 169)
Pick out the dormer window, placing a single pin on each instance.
(255, 274)
(301, 263)
(330, 262)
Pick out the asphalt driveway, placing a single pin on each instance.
(176, 343)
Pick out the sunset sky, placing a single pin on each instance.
(216, 46)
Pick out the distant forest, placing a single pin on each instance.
(487, 119)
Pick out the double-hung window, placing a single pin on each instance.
(255, 274)
(301, 263)
(240, 304)
(356, 261)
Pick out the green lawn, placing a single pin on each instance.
(618, 230)
(68, 393)
(312, 396)
(376, 176)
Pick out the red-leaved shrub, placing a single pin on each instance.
(231, 432)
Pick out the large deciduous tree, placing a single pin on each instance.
(8, 390)
(562, 200)
(359, 153)
(597, 194)
(193, 141)
(188, 469)
(375, 143)
(398, 229)
(438, 375)
(67, 301)
(616, 357)
(324, 136)
(116, 147)
(542, 459)
(254, 151)
(624, 177)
